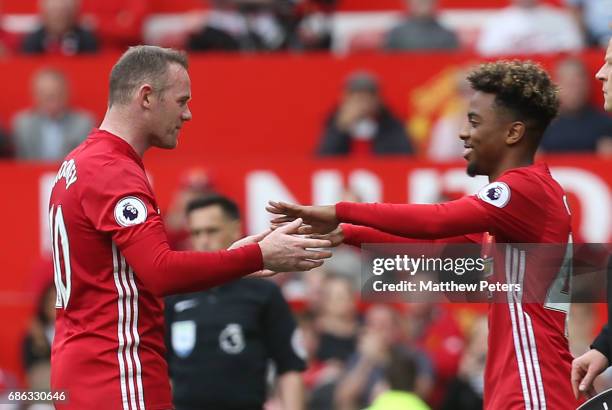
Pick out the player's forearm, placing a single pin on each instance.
(356, 235)
(417, 221)
(291, 391)
(166, 272)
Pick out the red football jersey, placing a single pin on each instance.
(528, 362)
(112, 265)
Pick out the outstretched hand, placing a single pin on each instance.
(282, 251)
(316, 219)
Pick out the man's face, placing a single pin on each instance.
(484, 134)
(211, 229)
(365, 103)
(525, 3)
(170, 109)
(338, 299)
(422, 8)
(605, 76)
(50, 95)
(380, 319)
(573, 87)
(59, 15)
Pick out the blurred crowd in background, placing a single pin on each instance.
(51, 127)
(350, 346)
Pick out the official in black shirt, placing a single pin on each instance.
(220, 342)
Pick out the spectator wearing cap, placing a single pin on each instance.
(362, 124)
(421, 30)
(60, 32)
(580, 127)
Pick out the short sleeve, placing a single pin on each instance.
(283, 338)
(119, 202)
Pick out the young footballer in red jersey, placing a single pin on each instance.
(111, 255)
(528, 362)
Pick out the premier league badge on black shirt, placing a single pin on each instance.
(183, 337)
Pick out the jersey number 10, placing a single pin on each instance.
(59, 240)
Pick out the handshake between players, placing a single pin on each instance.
(283, 249)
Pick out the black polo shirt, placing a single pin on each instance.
(577, 132)
(220, 342)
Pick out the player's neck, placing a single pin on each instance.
(119, 125)
(510, 163)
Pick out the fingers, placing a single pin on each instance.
(265, 273)
(274, 210)
(302, 230)
(576, 378)
(308, 264)
(290, 228)
(587, 381)
(282, 208)
(273, 207)
(317, 255)
(282, 219)
(305, 230)
(314, 243)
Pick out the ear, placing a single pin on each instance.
(145, 96)
(516, 132)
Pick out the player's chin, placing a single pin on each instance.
(472, 169)
(170, 142)
(166, 145)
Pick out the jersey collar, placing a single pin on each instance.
(538, 167)
(120, 144)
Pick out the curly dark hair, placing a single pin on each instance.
(521, 87)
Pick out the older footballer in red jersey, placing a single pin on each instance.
(591, 364)
(111, 255)
(528, 361)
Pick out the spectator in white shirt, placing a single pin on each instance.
(526, 27)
